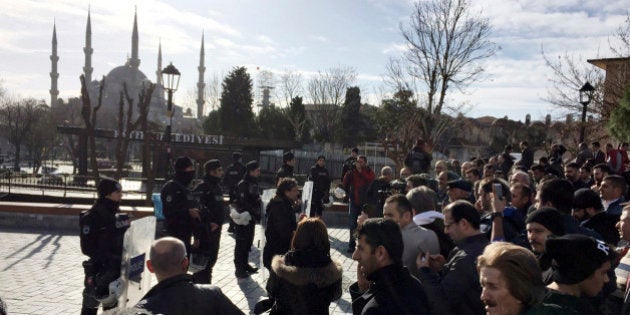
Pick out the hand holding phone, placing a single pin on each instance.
(497, 189)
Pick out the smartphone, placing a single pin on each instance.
(498, 190)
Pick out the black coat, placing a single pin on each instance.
(102, 234)
(177, 198)
(393, 291)
(304, 286)
(249, 197)
(178, 295)
(280, 227)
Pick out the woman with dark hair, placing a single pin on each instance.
(305, 280)
(280, 220)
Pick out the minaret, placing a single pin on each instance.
(87, 50)
(201, 85)
(134, 62)
(54, 75)
(158, 73)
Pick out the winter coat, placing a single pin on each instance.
(301, 285)
(280, 227)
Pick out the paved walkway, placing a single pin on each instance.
(41, 273)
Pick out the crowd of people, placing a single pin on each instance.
(496, 236)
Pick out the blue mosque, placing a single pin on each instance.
(129, 74)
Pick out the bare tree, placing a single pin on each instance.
(125, 123)
(89, 119)
(213, 92)
(327, 92)
(17, 118)
(446, 44)
(290, 86)
(40, 140)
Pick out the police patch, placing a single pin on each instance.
(169, 198)
(86, 229)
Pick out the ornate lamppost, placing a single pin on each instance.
(170, 82)
(586, 96)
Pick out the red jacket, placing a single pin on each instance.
(357, 183)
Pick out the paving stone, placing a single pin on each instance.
(41, 273)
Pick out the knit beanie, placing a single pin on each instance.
(550, 218)
(107, 186)
(574, 257)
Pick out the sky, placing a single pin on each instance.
(297, 35)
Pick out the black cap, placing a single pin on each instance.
(236, 155)
(550, 218)
(182, 163)
(575, 257)
(212, 165)
(107, 186)
(321, 157)
(585, 198)
(252, 165)
(461, 184)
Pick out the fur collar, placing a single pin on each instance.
(321, 277)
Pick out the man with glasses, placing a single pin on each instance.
(453, 286)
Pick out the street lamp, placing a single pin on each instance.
(170, 82)
(586, 96)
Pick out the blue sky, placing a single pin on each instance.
(298, 35)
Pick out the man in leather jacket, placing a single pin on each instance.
(175, 292)
(208, 232)
(248, 208)
(102, 234)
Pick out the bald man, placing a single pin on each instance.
(175, 292)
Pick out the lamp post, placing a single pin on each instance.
(586, 95)
(170, 82)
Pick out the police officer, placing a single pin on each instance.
(181, 210)
(102, 234)
(208, 233)
(233, 174)
(248, 206)
(321, 186)
(286, 170)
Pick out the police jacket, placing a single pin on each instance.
(102, 233)
(176, 200)
(280, 227)
(233, 174)
(210, 198)
(179, 295)
(321, 180)
(284, 171)
(249, 197)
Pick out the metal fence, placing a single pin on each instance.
(270, 162)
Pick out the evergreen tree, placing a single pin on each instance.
(212, 124)
(351, 129)
(237, 116)
(619, 117)
(273, 124)
(296, 116)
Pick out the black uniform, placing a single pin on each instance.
(233, 174)
(284, 171)
(176, 200)
(102, 235)
(248, 200)
(210, 197)
(321, 188)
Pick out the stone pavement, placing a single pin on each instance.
(41, 273)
